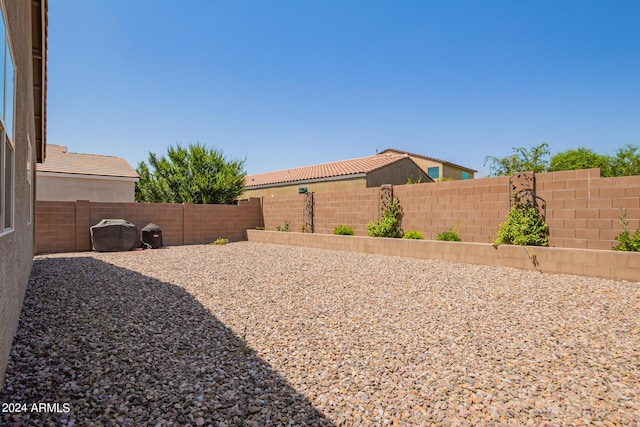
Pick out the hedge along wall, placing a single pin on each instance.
(64, 226)
(582, 208)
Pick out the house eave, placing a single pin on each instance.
(87, 176)
(39, 23)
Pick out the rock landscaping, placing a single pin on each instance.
(250, 334)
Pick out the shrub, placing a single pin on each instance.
(343, 230)
(389, 224)
(448, 236)
(413, 234)
(627, 242)
(524, 226)
(286, 227)
(220, 241)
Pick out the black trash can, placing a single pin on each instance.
(151, 236)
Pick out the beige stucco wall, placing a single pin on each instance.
(342, 184)
(67, 189)
(16, 246)
(446, 171)
(397, 174)
(455, 173)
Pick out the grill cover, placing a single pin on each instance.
(151, 236)
(112, 235)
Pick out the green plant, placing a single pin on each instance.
(389, 224)
(195, 174)
(448, 236)
(524, 226)
(413, 234)
(286, 227)
(343, 230)
(220, 241)
(259, 228)
(410, 180)
(244, 347)
(627, 242)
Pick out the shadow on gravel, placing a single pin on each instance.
(112, 347)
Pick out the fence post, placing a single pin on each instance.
(83, 223)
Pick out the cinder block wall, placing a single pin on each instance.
(582, 208)
(64, 226)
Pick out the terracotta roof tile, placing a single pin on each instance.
(324, 170)
(59, 160)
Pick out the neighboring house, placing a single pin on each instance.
(67, 176)
(23, 77)
(371, 171)
(436, 168)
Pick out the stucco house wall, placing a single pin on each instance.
(16, 241)
(446, 170)
(275, 191)
(96, 189)
(397, 174)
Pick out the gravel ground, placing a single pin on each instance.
(255, 334)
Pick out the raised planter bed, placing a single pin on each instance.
(587, 262)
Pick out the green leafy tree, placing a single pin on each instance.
(195, 174)
(533, 159)
(580, 158)
(626, 161)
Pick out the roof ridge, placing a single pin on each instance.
(326, 163)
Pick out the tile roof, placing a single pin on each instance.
(388, 150)
(59, 160)
(361, 165)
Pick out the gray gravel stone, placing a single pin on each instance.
(254, 334)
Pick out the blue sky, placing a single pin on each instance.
(293, 83)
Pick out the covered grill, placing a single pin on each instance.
(112, 235)
(151, 236)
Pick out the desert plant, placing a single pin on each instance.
(244, 346)
(389, 224)
(413, 234)
(524, 226)
(286, 227)
(448, 236)
(627, 241)
(343, 230)
(220, 241)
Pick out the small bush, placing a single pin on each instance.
(343, 230)
(220, 241)
(413, 234)
(286, 227)
(448, 236)
(524, 226)
(389, 224)
(627, 241)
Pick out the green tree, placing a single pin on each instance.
(195, 174)
(533, 159)
(580, 158)
(626, 161)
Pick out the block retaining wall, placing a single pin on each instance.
(600, 263)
